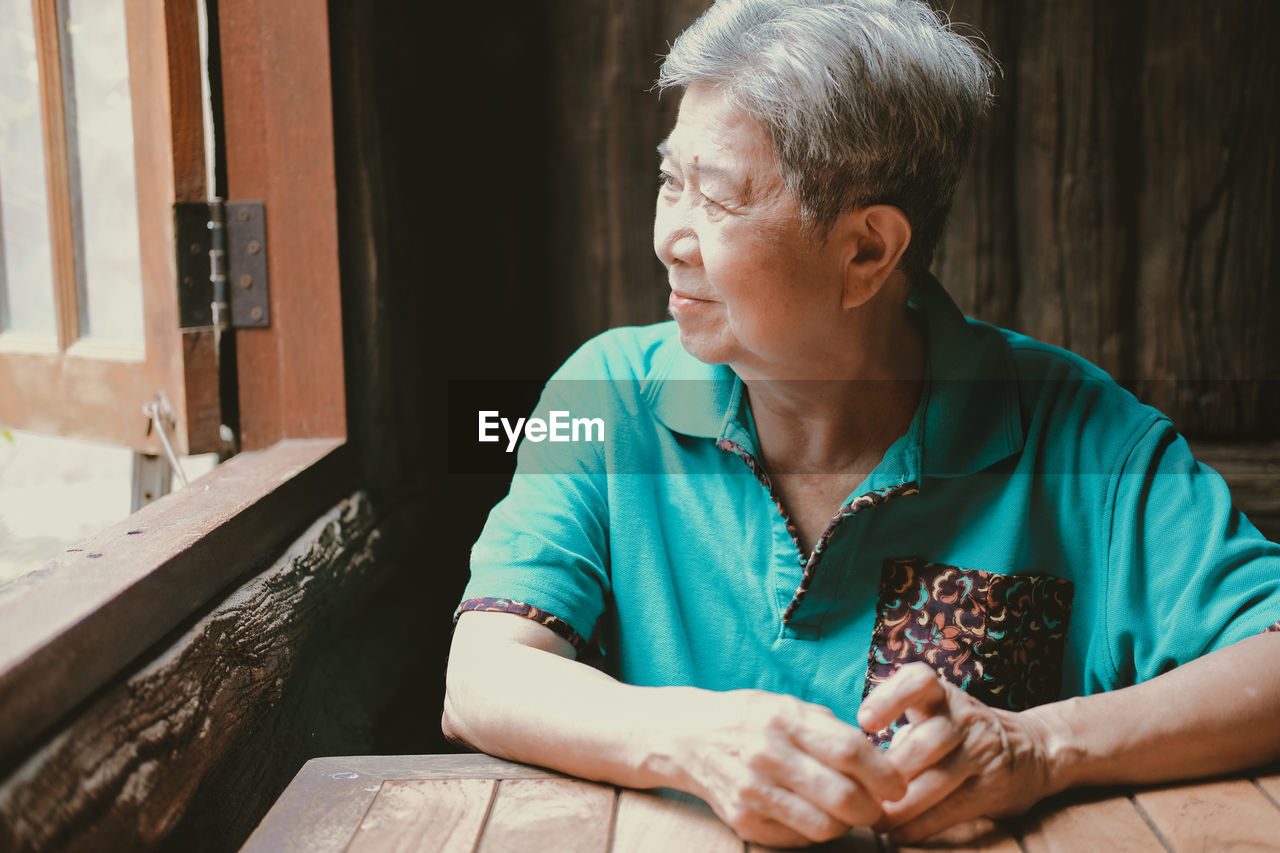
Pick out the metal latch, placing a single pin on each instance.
(222, 264)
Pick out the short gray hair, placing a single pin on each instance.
(866, 101)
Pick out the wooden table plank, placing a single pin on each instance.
(669, 821)
(536, 815)
(425, 816)
(326, 801)
(469, 765)
(1087, 822)
(981, 835)
(1227, 814)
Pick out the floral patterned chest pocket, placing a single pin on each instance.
(1000, 638)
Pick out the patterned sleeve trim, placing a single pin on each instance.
(1275, 627)
(561, 628)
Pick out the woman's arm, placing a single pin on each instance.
(777, 770)
(1212, 715)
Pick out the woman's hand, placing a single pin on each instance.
(962, 759)
(780, 771)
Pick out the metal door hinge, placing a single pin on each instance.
(222, 264)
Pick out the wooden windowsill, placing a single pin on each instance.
(69, 627)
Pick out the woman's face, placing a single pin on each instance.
(749, 287)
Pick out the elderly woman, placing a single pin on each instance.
(831, 515)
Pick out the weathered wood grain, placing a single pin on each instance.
(464, 766)
(121, 773)
(328, 797)
(1207, 285)
(70, 627)
(1121, 202)
(425, 816)
(549, 814)
(669, 821)
(1042, 233)
(977, 257)
(1220, 815)
(1087, 822)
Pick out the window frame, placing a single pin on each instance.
(73, 626)
(57, 385)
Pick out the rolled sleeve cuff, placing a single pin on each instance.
(558, 626)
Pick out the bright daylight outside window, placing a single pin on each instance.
(76, 324)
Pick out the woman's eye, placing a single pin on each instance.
(667, 181)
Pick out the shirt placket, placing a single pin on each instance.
(809, 565)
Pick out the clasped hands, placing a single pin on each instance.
(783, 772)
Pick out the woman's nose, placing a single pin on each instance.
(674, 239)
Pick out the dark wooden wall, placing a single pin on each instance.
(1121, 201)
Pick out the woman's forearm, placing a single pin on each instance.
(1212, 715)
(537, 706)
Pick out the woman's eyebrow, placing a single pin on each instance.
(739, 186)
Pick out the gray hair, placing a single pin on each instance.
(866, 101)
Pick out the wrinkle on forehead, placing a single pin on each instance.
(728, 143)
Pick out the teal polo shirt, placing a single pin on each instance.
(1037, 533)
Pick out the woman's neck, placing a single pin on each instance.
(862, 402)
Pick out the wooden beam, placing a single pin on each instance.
(120, 775)
(69, 628)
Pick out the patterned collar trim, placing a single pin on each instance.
(969, 416)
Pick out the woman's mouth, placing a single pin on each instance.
(683, 302)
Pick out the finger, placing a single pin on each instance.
(846, 749)
(833, 792)
(793, 812)
(965, 803)
(760, 830)
(931, 787)
(913, 687)
(924, 744)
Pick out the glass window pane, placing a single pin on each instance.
(104, 185)
(26, 264)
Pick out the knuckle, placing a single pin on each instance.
(759, 758)
(751, 796)
(851, 749)
(734, 813)
(857, 808)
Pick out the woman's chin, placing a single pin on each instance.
(709, 349)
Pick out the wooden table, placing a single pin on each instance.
(475, 802)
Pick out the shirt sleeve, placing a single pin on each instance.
(1187, 572)
(543, 552)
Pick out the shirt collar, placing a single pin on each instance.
(968, 419)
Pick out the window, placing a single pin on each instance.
(104, 131)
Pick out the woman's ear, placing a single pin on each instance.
(876, 236)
